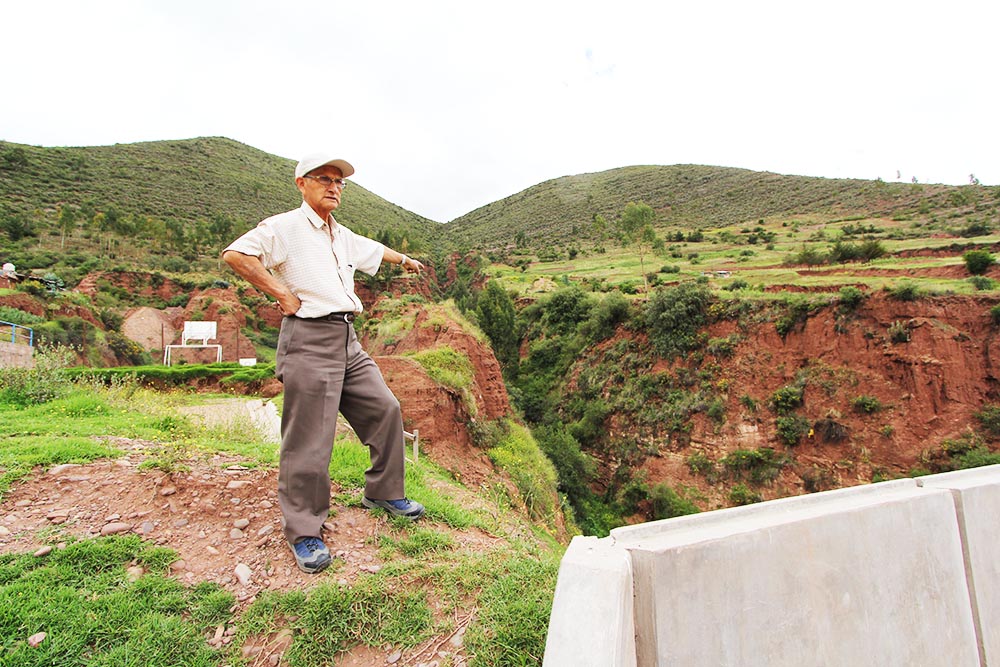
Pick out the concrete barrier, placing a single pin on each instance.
(13, 355)
(977, 501)
(897, 573)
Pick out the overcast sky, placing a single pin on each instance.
(444, 107)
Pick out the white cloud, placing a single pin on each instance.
(446, 106)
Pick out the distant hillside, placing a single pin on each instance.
(189, 180)
(172, 205)
(562, 211)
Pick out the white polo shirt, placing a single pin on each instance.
(295, 247)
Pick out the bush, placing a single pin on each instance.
(791, 428)
(905, 292)
(674, 315)
(850, 297)
(995, 315)
(787, 398)
(17, 316)
(989, 417)
(699, 464)
(978, 262)
(982, 283)
(41, 384)
(741, 495)
(899, 332)
(127, 350)
(668, 503)
(865, 404)
(758, 465)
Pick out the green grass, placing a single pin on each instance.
(94, 614)
(349, 460)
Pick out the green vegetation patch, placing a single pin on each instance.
(94, 613)
(519, 455)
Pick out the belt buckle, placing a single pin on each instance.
(346, 317)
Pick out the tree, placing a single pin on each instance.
(221, 228)
(637, 226)
(497, 319)
(67, 223)
(17, 226)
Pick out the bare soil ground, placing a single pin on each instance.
(218, 516)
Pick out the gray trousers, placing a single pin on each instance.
(324, 370)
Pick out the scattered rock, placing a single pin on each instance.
(168, 491)
(58, 516)
(241, 523)
(266, 530)
(44, 551)
(115, 528)
(61, 468)
(22, 503)
(243, 573)
(236, 534)
(4, 531)
(134, 573)
(394, 658)
(238, 484)
(266, 504)
(36, 639)
(180, 523)
(212, 550)
(147, 527)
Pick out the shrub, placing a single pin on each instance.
(989, 417)
(674, 315)
(741, 495)
(977, 262)
(899, 332)
(865, 404)
(41, 384)
(127, 350)
(995, 315)
(699, 464)
(850, 297)
(905, 292)
(787, 398)
(759, 465)
(791, 428)
(723, 347)
(982, 283)
(17, 316)
(668, 503)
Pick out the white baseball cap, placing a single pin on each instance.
(317, 160)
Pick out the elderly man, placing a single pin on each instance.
(306, 261)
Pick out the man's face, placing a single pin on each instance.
(323, 199)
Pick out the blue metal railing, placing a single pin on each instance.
(25, 333)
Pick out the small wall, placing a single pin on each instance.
(14, 355)
(897, 573)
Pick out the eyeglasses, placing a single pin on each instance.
(326, 181)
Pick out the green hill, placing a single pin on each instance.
(162, 181)
(172, 205)
(562, 211)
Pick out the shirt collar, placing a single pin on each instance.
(316, 221)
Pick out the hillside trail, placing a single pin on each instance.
(221, 517)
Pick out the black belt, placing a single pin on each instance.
(336, 317)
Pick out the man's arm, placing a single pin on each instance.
(392, 257)
(252, 270)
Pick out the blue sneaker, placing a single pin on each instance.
(403, 507)
(311, 555)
